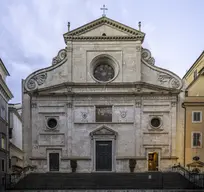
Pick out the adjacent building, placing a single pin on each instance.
(15, 136)
(194, 116)
(5, 96)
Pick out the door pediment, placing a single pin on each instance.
(102, 131)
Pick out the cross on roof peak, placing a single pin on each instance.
(104, 10)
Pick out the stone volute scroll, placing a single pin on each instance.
(146, 55)
(164, 77)
(38, 78)
(60, 57)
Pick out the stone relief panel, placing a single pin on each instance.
(84, 114)
(51, 140)
(123, 113)
(160, 78)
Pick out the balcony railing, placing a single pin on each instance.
(196, 178)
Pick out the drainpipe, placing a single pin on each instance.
(184, 151)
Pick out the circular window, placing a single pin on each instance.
(52, 123)
(155, 122)
(104, 72)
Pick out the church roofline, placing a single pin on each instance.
(98, 22)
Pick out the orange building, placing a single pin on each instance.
(194, 119)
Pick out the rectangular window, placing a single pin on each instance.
(2, 165)
(196, 139)
(104, 114)
(195, 74)
(196, 116)
(3, 142)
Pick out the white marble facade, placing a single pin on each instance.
(69, 92)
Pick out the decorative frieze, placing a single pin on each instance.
(84, 115)
(138, 104)
(168, 79)
(173, 103)
(34, 105)
(138, 48)
(69, 105)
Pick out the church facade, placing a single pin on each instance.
(102, 105)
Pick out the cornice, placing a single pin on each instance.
(103, 38)
(136, 85)
(4, 67)
(6, 91)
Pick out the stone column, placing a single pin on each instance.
(138, 61)
(69, 61)
(173, 126)
(69, 127)
(138, 139)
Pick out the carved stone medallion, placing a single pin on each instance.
(123, 114)
(36, 80)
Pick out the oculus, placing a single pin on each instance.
(104, 72)
(52, 123)
(155, 122)
(104, 68)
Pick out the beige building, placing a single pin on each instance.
(102, 105)
(194, 121)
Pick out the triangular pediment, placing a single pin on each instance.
(105, 28)
(103, 130)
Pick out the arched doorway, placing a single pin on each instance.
(153, 161)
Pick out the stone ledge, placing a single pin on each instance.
(76, 158)
(103, 122)
(155, 132)
(130, 157)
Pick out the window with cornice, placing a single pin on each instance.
(196, 139)
(196, 116)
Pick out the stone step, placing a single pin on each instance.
(147, 180)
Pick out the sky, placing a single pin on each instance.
(31, 31)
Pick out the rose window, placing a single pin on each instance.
(104, 72)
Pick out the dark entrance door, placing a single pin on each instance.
(54, 161)
(103, 155)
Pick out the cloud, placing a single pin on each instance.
(31, 32)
